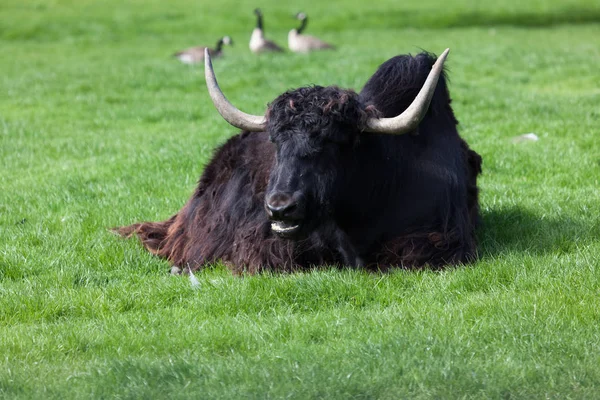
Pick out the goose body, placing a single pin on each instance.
(301, 43)
(258, 42)
(194, 55)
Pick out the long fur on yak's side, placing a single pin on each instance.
(451, 239)
(225, 218)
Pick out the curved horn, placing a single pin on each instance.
(412, 116)
(237, 118)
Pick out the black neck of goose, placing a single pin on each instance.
(303, 25)
(219, 45)
(259, 21)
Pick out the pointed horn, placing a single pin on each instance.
(237, 118)
(412, 116)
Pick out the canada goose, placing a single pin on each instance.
(258, 43)
(195, 55)
(299, 43)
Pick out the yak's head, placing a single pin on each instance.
(315, 130)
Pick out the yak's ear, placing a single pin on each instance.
(368, 111)
(372, 111)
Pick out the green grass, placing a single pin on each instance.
(99, 127)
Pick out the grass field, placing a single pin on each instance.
(100, 127)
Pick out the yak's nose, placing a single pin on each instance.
(281, 205)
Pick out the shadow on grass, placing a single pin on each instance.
(518, 230)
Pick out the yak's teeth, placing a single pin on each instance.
(280, 228)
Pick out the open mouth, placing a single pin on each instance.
(284, 228)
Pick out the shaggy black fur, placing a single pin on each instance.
(357, 198)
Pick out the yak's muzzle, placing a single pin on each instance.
(286, 212)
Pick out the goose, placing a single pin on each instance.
(195, 55)
(258, 43)
(299, 43)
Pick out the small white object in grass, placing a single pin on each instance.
(193, 280)
(528, 137)
(175, 271)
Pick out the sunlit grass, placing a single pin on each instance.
(100, 127)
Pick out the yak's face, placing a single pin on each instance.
(315, 131)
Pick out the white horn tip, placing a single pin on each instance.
(444, 54)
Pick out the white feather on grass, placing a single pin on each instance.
(528, 137)
(193, 280)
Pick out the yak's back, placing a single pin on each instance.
(396, 83)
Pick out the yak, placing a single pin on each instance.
(328, 176)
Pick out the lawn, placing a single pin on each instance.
(100, 127)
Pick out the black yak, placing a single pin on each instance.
(330, 176)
